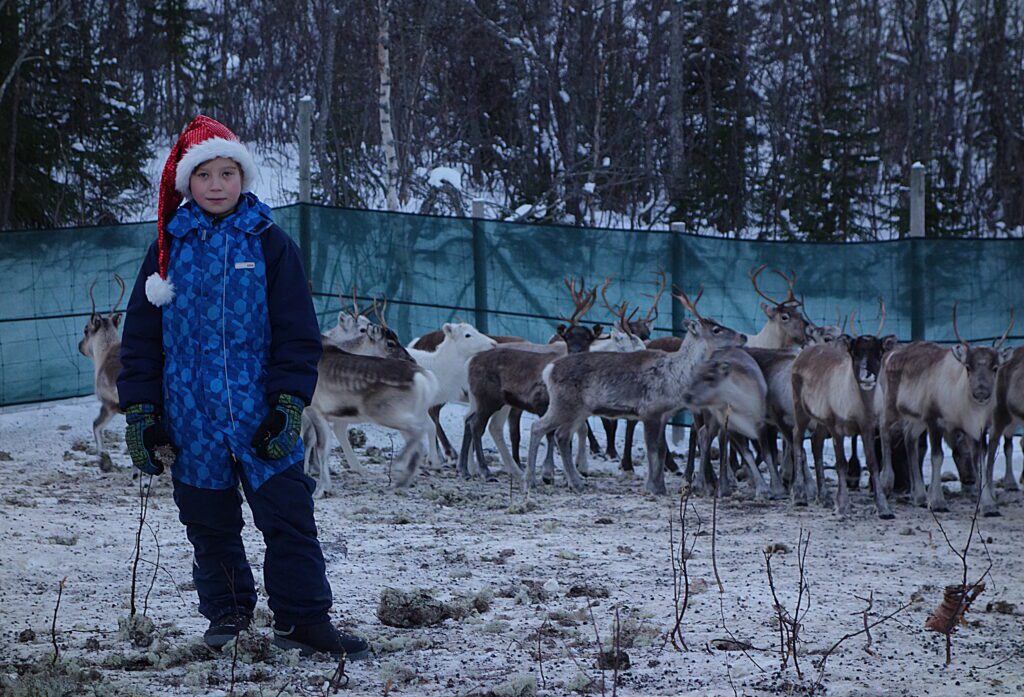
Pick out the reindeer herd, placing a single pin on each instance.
(758, 395)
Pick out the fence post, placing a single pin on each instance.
(917, 195)
(479, 267)
(305, 128)
(677, 275)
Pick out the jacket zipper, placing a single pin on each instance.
(223, 328)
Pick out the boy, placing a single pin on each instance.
(219, 355)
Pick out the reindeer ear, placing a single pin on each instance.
(116, 319)
(889, 342)
(597, 330)
(448, 328)
(768, 311)
(723, 368)
(1005, 354)
(843, 341)
(561, 329)
(960, 352)
(692, 326)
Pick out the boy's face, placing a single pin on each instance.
(216, 185)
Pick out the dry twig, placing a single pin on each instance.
(53, 625)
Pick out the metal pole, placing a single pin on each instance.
(305, 198)
(917, 192)
(479, 266)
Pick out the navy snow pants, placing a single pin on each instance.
(294, 572)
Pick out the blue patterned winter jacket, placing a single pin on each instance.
(240, 330)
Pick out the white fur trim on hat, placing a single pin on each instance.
(208, 150)
(159, 291)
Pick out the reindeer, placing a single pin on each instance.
(389, 392)
(102, 343)
(429, 342)
(730, 387)
(643, 385)
(374, 340)
(935, 388)
(1006, 417)
(641, 330)
(350, 324)
(836, 386)
(785, 328)
(510, 376)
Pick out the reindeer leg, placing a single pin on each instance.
(705, 480)
(563, 437)
(887, 477)
(691, 448)
(611, 427)
(107, 412)
(842, 470)
(409, 459)
(540, 429)
(936, 499)
(496, 428)
(595, 447)
(515, 417)
(548, 473)
(761, 490)
(881, 500)
(341, 431)
(1009, 481)
(801, 477)
(724, 465)
(853, 466)
(435, 416)
(626, 463)
(469, 430)
(989, 506)
(581, 452)
(913, 449)
(770, 451)
(654, 434)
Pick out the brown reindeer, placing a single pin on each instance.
(102, 343)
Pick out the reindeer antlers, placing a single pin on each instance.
(684, 299)
(378, 312)
(120, 283)
(582, 299)
(1006, 333)
(620, 310)
(995, 344)
(654, 303)
(790, 282)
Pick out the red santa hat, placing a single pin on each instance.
(202, 140)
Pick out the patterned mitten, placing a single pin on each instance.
(148, 443)
(279, 431)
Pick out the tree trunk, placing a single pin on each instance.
(387, 136)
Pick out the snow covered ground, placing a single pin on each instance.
(540, 566)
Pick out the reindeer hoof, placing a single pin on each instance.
(886, 515)
(990, 512)
(106, 464)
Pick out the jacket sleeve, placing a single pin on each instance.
(142, 349)
(295, 344)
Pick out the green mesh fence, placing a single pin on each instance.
(508, 279)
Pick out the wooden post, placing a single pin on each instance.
(677, 261)
(479, 267)
(305, 197)
(917, 193)
(917, 190)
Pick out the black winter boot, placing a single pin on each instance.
(226, 628)
(320, 638)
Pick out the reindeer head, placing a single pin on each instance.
(578, 338)
(467, 339)
(388, 343)
(785, 315)
(824, 334)
(704, 329)
(641, 328)
(706, 387)
(866, 351)
(982, 362)
(101, 330)
(351, 323)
